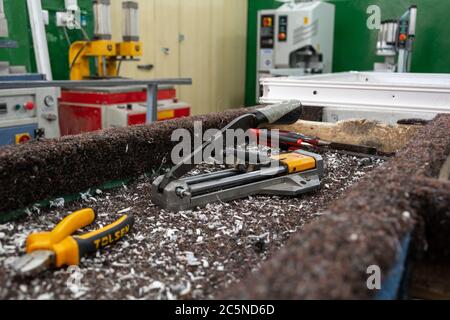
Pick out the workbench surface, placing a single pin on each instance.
(188, 255)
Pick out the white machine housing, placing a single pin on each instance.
(295, 39)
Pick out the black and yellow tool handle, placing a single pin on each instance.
(70, 224)
(70, 251)
(102, 238)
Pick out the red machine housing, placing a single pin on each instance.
(90, 109)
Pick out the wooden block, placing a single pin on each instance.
(386, 138)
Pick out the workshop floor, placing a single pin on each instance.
(192, 254)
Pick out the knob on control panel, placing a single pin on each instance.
(49, 101)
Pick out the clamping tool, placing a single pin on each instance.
(288, 174)
(285, 113)
(59, 248)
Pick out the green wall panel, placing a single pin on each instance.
(19, 30)
(19, 27)
(354, 43)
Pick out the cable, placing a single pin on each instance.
(77, 56)
(86, 37)
(118, 68)
(66, 35)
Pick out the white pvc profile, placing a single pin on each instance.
(2, 10)
(39, 38)
(4, 33)
(422, 95)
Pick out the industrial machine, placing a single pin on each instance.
(33, 113)
(94, 108)
(107, 54)
(395, 42)
(27, 114)
(89, 109)
(287, 174)
(295, 39)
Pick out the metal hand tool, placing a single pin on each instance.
(287, 174)
(284, 113)
(59, 248)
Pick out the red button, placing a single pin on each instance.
(267, 22)
(282, 36)
(29, 106)
(24, 139)
(403, 37)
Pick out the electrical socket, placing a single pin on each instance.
(71, 19)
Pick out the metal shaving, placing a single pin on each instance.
(193, 254)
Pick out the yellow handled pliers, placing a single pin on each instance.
(59, 248)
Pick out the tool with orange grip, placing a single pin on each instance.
(59, 248)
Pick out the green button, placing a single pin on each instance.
(18, 107)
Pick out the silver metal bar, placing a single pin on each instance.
(241, 179)
(92, 83)
(402, 61)
(412, 21)
(104, 67)
(130, 21)
(211, 176)
(152, 103)
(102, 18)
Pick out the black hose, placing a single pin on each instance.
(77, 56)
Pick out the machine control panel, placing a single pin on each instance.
(267, 31)
(23, 112)
(282, 28)
(17, 107)
(403, 33)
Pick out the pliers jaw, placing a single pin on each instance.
(34, 263)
